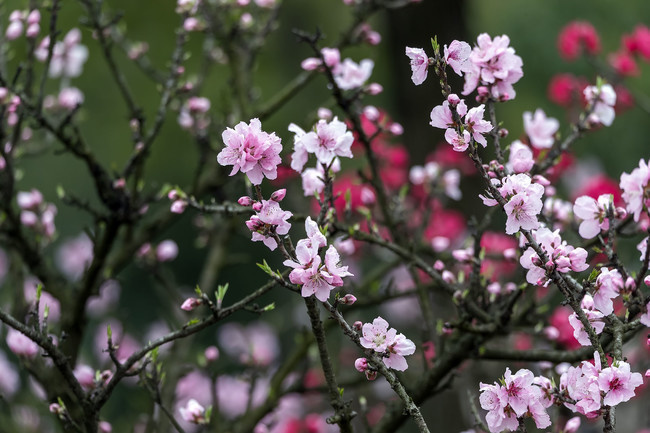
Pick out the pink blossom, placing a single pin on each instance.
(251, 151)
(618, 383)
(191, 303)
(85, 375)
(645, 317)
(457, 56)
(607, 287)
(269, 221)
(522, 211)
(572, 425)
(603, 99)
(74, 256)
(21, 345)
(442, 117)
(635, 186)
(460, 143)
(393, 346)
(593, 213)
(494, 64)
(70, 97)
(475, 124)
(9, 379)
(419, 64)
(68, 57)
(166, 251)
(595, 319)
(361, 365)
(193, 412)
(521, 157)
(329, 141)
(540, 129)
(575, 36)
(351, 75)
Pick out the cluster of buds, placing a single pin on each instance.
(270, 220)
(18, 20)
(193, 115)
(12, 102)
(179, 200)
(36, 213)
(166, 251)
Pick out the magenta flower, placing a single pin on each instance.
(251, 151)
(540, 129)
(419, 64)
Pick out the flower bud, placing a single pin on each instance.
(257, 206)
(278, 195)
(178, 206)
(324, 113)
(439, 265)
(503, 132)
(371, 113)
(357, 326)
(453, 99)
(211, 353)
(245, 201)
(310, 63)
(396, 128)
(374, 89)
(14, 30)
(191, 303)
(348, 299)
(572, 425)
(361, 364)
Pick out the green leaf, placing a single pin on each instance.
(221, 291)
(109, 332)
(60, 192)
(269, 307)
(192, 322)
(266, 268)
(198, 291)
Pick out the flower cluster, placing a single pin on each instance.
(36, 213)
(68, 56)
(392, 346)
(590, 387)
(561, 257)
(327, 141)
(251, 151)
(270, 220)
(347, 73)
(317, 278)
(521, 394)
(459, 134)
(193, 114)
(17, 21)
(524, 201)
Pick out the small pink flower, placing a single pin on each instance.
(460, 143)
(457, 56)
(603, 99)
(21, 345)
(475, 124)
(166, 251)
(419, 64)
(251, 151)
(351, 75)
(618, 383)
(540, 129)
(635, 189)
(193, 412)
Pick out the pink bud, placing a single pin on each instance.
(372, 37)
(503, 132)
(483, 91)
(646, 280)
(348, 299)
(16, 16)
(453, 99)
(572, 425)
(396, 128)
(494, 288)
(105, 427)
(310, 63)
(211, 353)
(357, 326)
(332, 56)
(324, 113)
(21, 345)
(361, 364)
(439, 265)
(245, 201)
(56, 409)
(119, 183)
(448, 277)
(28, 218)
(166, 251)
(440, 243)
(198, 105)
(191, 24)
(257, 206)
(510, 254)
(371, 113)
(34, 17)
(178, 206)
(14, 30)
(367, 196)
(278, 195)
(551, 332)
(374, 89)
(190, 303)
